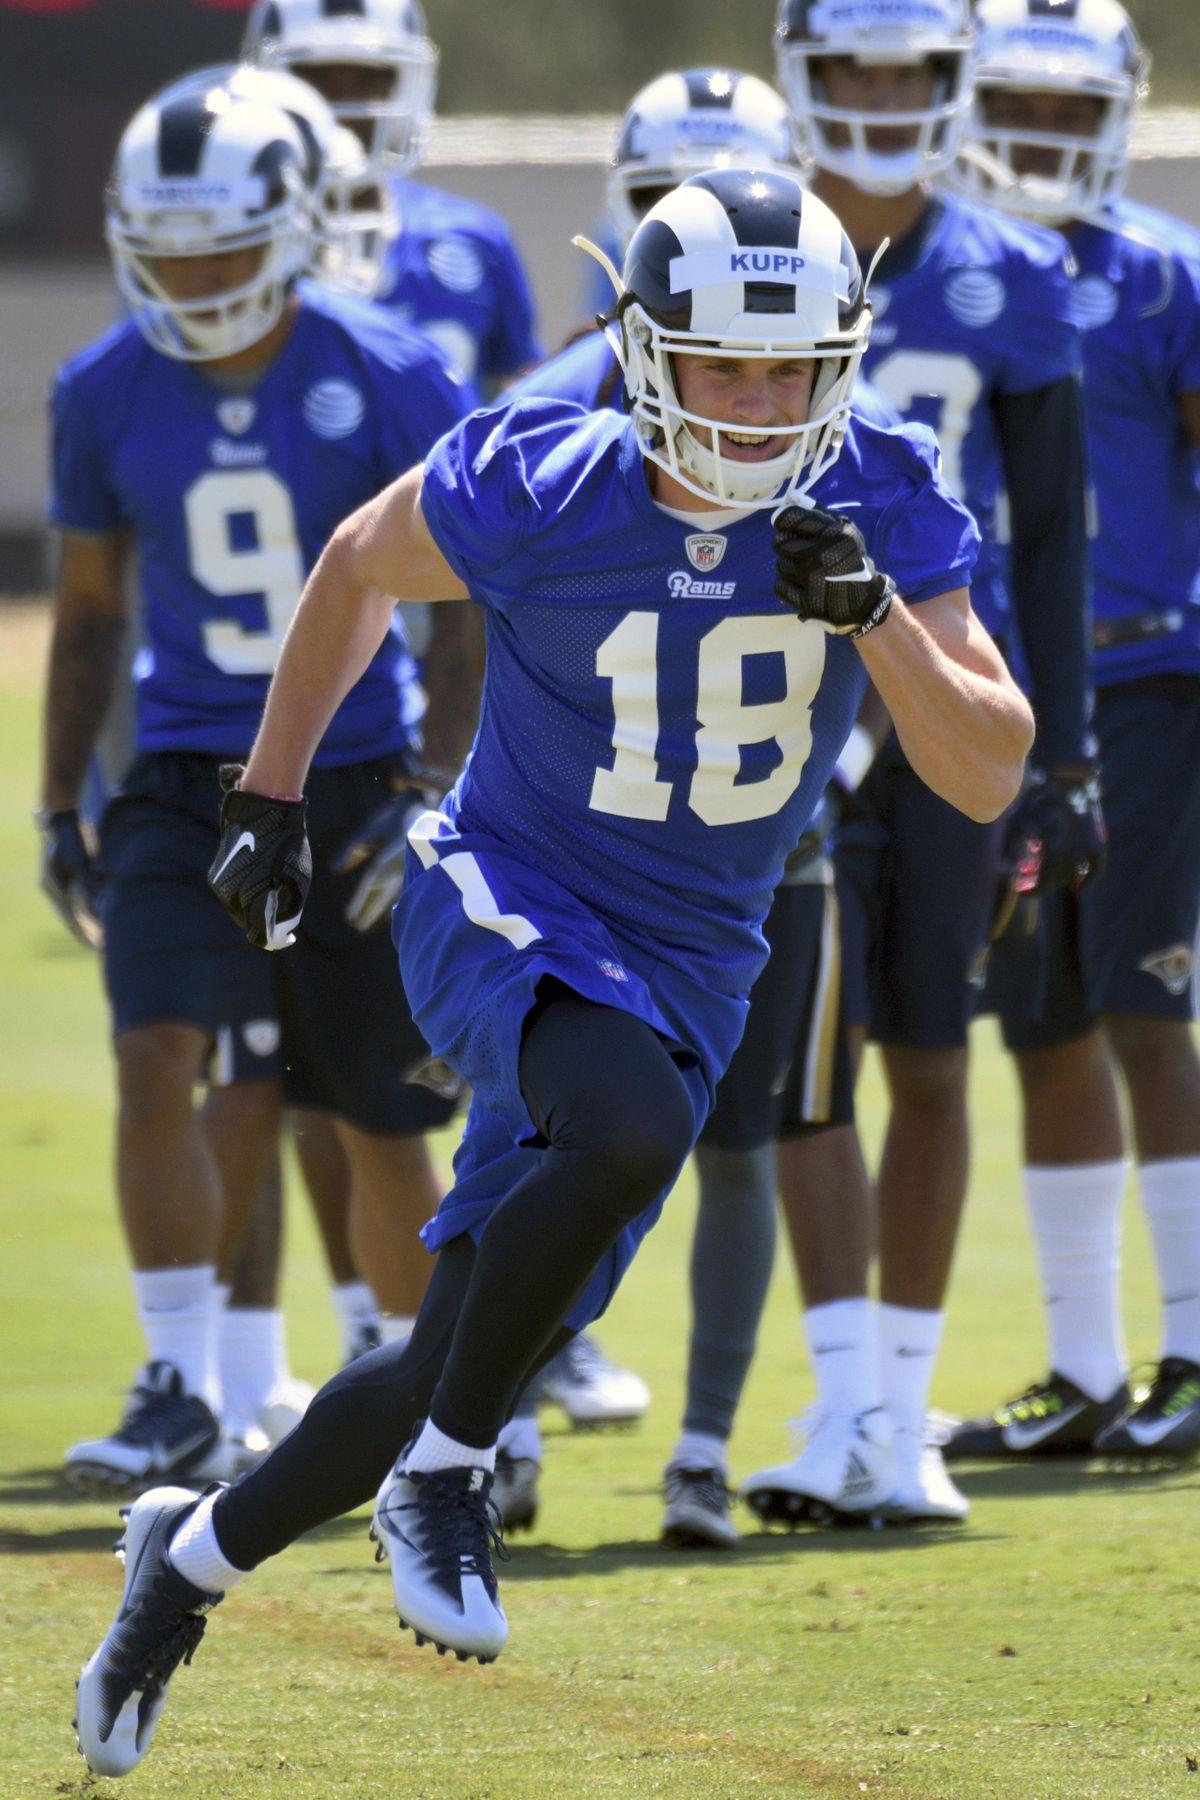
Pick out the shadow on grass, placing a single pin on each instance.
(91, 1540)
(40, 1487)
(1073, 1477)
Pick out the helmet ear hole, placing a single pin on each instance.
(745, 262)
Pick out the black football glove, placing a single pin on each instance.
(1057, 826)
(263, 867)
(823, 572)
(381, 844)
(70, 879)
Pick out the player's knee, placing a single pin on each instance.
(157, 1064)
(1150, 1050)
(637, 1132)
(926, 1081)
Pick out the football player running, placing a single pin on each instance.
(974, 337)
(582, 919)
(680, 123)
(448, 264)
(220, 433)
(1049, 140)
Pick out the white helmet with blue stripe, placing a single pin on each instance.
(748, 262)
(1086, 49)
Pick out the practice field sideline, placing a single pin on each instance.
(1048, 1651)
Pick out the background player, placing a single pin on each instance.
(449, 265)
(975, 337)
(1049, 140)
(597, 1015)
(221, 432)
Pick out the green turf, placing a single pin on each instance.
(1046, 1652)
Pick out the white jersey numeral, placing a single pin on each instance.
(634, 789)
(953, 381)
(271, 565)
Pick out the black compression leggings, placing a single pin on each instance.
(615, 1112)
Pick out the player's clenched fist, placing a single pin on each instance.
(823, 572)
(263, 867)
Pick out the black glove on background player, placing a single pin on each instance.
(70, 878)
(823, 572)
(1057, 826)
(263, 867)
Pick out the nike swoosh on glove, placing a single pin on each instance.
(823, 572)
(262, 871)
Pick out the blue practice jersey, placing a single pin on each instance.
(657, 729)
(969, 306)
(453, 270)
(1137, 299)
(230, 498)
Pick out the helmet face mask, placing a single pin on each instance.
(747, 264)
(1055, 100)
(376, 68)
(207, 177)
(683, 123)
(882, 151)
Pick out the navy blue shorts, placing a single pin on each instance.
(478, 928)
(328, 1016)
(792, 1069)
(1126, 944)
(915, 885)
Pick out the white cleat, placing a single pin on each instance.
(437, 1530)
(123, 1687)
(165, 1434)
(515, 1491)
(698, 1513)
(923, 1488)
(283, 1408)
(591, 1390)
(844, 1474)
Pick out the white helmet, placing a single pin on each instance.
(880, 33)
(696, 119)
(353, 218)
(1070, 47)
(748, 262)
(303, 35)
(199, 175)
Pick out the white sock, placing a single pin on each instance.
(176, 1309)
(357, 1312)
(844, 1354)
(909, 1340)
(700, 1450)
(253, 1359)
(196, 1554)
(1075, 1215)
(1171, 1203)
(434, 1450)
(521, 1439)
(395, 1328)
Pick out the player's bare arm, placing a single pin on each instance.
(90, 613)
(964, 724)
(382, 553)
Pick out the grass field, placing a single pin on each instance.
(1047, 1651)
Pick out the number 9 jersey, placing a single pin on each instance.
(230, 494)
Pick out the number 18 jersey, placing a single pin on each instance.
(230, 498)
(656, 727)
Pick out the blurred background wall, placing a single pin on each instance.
(72, 72)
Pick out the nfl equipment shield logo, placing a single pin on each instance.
(704, 551)
(236, 414)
